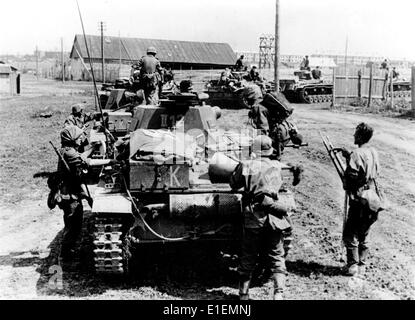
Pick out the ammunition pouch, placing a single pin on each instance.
(276, 223)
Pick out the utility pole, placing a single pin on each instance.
(63, 62)
(102, 51)
(277, 46)
(119, 48)
(345, 69)
(37, 64)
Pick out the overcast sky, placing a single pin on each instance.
(373, 27)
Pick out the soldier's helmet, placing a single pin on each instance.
(77, 108)
(151, 50)
(252, 92)
(262, 146)
(70, 134)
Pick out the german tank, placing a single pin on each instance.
(303, 88)
(170, 184)
(229, 95)
(401, 89)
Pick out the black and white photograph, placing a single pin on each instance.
(208, 150)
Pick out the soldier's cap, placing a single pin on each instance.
(70, 133)
(77, 108)
(252, 92)
(262, 146)
(151, 50)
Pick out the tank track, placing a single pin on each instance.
(401, 94)
(109, 251)
(318, 98)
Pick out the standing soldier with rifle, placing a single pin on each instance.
(359, 181)
(72, 188)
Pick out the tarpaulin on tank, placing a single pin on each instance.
(146, 144)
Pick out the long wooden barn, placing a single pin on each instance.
(121, 53)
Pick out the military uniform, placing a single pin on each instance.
(270, 122)
(316, 73)
(150, 75)
(362, 169)
(239, 65)
(264, 218)
(71, 190)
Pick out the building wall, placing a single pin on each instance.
(8, 85)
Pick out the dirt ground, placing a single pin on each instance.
(30, 233)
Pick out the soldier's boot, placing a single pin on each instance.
(352, 261)
(279, 286)
(244, 289)
(363, 253)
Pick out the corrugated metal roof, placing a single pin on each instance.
(168, 51)
(7, 68)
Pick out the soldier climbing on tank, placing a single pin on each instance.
(78, 117)
(150, 74)
(316, 73)
(265, 217)
(72, 188)
(239, 65)
(269, 115)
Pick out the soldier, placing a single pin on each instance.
(150, 74)
(227, 78)
(395, 74)
(72, 188)
(316, 73)
(264, 216)
(270, 115)
(254, 74)
(364, 200)
(78, 117)
(305, 64)
(239, 65)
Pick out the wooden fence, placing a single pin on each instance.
(353, 82)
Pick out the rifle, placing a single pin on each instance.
(83, 185)
(338, 163)
(296, 146)
(340, 168)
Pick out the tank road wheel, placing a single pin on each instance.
(304, 96)
(319, 99)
